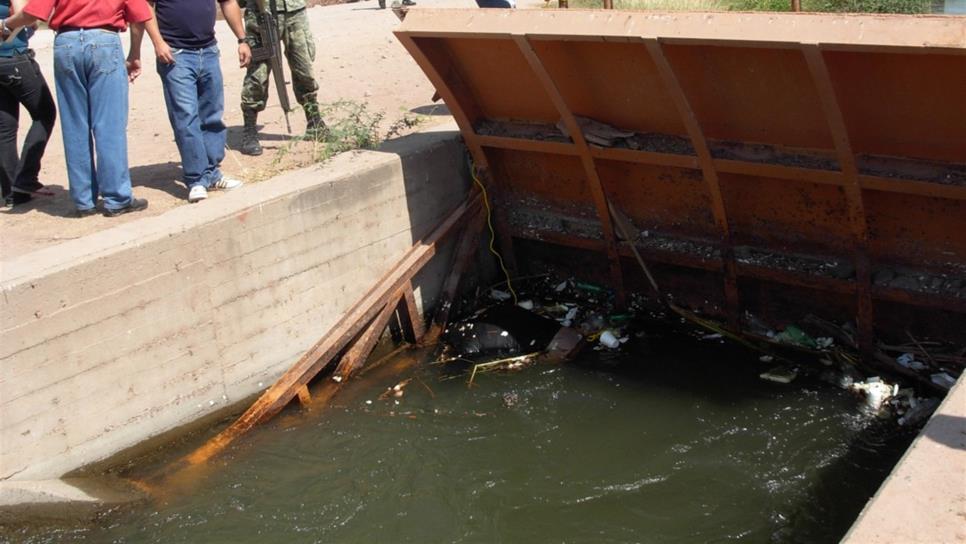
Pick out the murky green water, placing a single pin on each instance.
(682, 443)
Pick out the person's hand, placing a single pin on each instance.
(244, 54)
(163, 51)
(133, 68)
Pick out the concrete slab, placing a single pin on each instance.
(110, 339)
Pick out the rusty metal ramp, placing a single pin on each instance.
(771, 165)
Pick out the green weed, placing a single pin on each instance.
(349, 125)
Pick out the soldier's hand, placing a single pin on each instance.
(244, 55)
(163, 51)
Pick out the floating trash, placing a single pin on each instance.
(781, 374)
(875, 391)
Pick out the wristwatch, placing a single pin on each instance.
(242, 40)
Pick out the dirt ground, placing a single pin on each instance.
(358, 59)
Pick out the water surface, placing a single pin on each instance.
(668, 442)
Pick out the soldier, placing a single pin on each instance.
(293, 27)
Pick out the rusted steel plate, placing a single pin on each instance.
(822, 154)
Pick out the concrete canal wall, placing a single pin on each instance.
(113, 338)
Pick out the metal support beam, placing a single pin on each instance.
(853, 194)
(587, 160)
(710, 173)
(470, 137)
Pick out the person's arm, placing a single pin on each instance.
(233, 14)
(134, 55)
(161, 48)
(16, 7)
(19, 19)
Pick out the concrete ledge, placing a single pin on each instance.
(110, 339)
(924, 499)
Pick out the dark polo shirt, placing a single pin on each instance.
(187, 24)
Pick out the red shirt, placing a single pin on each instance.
(89, 13)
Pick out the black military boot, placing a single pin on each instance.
(314, 125)
(250, 144)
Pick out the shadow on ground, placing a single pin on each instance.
(948, 430)
(57, 205)
(431, 109)
(164, 177)
(235, 137)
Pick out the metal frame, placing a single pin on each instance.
(811, 35)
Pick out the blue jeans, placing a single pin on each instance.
(91, 82)
(195, 96)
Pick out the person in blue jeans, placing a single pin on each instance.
(91, 79)
(188, 63)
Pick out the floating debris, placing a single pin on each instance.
(909, 361)
(875, 391)
(396, 391)
(943, 380)
(497, 294)
(796, 337)
(609, 339)
(781, 374)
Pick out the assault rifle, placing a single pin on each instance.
(271, 50)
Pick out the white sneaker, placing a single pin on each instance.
(197, 193)
(227, 184)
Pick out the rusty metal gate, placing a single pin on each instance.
(773, 165)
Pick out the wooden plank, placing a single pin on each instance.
(360, 350)
(357, 355)
(334, 341)
(305, 398)
(411, 318)
(462, 257)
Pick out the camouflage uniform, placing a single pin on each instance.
(296, 34)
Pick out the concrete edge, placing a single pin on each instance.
(55, 258)
(87, 487)
(931, 527)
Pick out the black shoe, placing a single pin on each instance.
(136, 205)
(16, 199)
(316, 129)
(408, 3)
(85, 213)
(250, 144)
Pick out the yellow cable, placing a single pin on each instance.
(489, 223)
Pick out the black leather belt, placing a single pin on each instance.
(107, 28)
